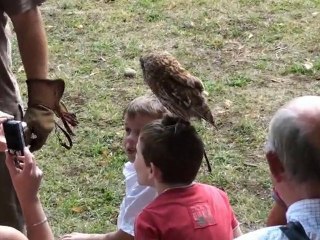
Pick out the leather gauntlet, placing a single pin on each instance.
(44, 102)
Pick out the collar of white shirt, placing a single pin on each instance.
(307, 212)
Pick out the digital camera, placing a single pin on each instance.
(14, 134)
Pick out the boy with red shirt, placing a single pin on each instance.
(169, 155)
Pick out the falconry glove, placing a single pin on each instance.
(44, 101)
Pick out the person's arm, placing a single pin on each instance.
(36, 221)
(32, 43)
(277, 215)
(118, 235)
(7, 233)
(44, 95)
(26, 179)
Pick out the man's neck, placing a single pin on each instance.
(298, 192)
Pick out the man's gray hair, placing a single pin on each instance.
(294, 139)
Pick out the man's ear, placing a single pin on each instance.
(275, 166)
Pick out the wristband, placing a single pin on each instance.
(38, 223)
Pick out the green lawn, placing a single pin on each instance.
(252, 56)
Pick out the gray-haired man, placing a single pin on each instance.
(293, 155)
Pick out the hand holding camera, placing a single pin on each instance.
(13, 131)
(25, 174)
(12, 137)
(26, 178)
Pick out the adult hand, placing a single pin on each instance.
(3, 118)
(43, 99)
(25, 175)
(40, 122)
(43, 103)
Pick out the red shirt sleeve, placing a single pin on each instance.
(144, 229)
(234, 221)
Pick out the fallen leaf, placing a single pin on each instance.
(77, 209)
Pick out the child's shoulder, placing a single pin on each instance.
(211, 189)
(207, 186)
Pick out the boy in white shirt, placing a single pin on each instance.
(137, 114)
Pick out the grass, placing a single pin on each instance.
(250, 54)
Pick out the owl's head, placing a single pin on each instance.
(158, 63)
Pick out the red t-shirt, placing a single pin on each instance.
(197, 212)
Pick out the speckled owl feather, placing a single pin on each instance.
(179, 91)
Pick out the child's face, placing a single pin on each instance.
(132, 130)
(144, 173)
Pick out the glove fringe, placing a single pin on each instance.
(67, 119)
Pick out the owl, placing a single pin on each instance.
(179, 91)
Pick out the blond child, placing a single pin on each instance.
(137, 114)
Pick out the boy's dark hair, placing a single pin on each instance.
(145, 105)
(173, 146)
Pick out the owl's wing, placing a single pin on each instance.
(185, 101)
(191, 91)
(184, 78)
(171, 96)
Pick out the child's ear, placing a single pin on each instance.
(154, 172)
